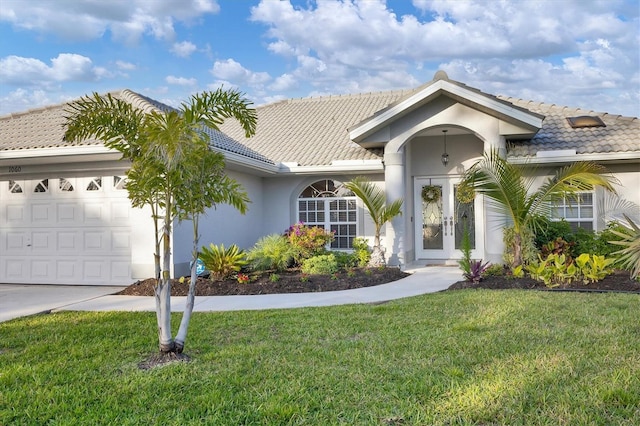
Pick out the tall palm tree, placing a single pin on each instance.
(173, 170)
(374, 200)
(513, 195)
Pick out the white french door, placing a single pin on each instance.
(440, 219)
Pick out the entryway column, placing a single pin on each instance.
(394, 240)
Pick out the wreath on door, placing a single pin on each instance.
(431, 193)
(465, 193)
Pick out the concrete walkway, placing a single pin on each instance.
(29, 300)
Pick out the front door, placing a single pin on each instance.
(441, 219)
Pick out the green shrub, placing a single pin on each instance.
(221, 262)
(605, 245)
(361, 251)
(593, 267)
(558, 269)
(629, 255)
(549, 230)
(308, 241)
(271, 252)
(558, 246)
(323, 264)
(494, 270)
(345, 260)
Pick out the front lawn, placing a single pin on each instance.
(464, 357)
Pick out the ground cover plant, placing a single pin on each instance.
(455, 357)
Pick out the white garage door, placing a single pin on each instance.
(65, 231)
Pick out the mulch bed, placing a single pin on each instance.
(293, 281)
(618, 281)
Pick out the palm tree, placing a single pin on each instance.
(512, 194)
(173, 170)
(374, 200)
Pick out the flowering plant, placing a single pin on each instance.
(308, 240)
(243, 278)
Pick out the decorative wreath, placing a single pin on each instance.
(465, 194)
(431, 193)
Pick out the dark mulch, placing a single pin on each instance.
(292, 281)
(618, 281)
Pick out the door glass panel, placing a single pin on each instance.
(432, 217)
(465, 218)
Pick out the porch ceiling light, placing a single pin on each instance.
(445, 157)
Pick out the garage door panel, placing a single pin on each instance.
(42, 270)
(15, 214)
(41, 214)
(68, 213)
(15, 269)
(94, 213)
(69, 241)
(42, 240)
(67, 270)
(121, 241)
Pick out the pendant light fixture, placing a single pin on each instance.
(445, 157)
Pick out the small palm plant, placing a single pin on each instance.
(222, 262)
(374, 200)
(629, 256)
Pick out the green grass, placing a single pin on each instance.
(453, 358)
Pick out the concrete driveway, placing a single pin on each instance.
(18, 300)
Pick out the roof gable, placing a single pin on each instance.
(442, 86)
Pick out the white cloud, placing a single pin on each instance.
(183, 49)
(233, 71)
(21, 100)
(181, 81)
(498, 46)
(125, 66)
(127, 20)
(65, 67)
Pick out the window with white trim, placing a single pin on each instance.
(328, 204)
(578, 210)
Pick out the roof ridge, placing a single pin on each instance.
(338, 96)
(545, 105)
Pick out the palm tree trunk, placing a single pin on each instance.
(163, 290)
(517, 249)
(181, 337)
(377, 256)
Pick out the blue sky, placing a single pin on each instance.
(577, 53)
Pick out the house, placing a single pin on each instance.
(65, 217)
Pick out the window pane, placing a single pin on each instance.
(586, 212)
(571, 212)
(586, 198)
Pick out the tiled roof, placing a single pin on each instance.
(621, 134)
(313, 131)
(43, 128)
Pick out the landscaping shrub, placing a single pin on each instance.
(361, 251)
(308, 241)
(549, 230)
(558, 269)
(221, 262)
(629, 255)
(476, 271)
(345, 260)
(271, 252)
(323, 264)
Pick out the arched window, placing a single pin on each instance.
(328, 204)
